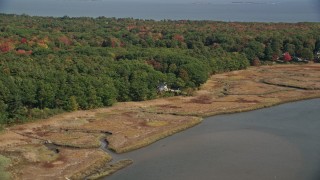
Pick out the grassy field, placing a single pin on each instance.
(4, 163)
(68, 145)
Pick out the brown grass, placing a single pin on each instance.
(202, 99)
(152, 137)
(132, 125)
(110, 169)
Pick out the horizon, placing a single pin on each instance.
(215, 10)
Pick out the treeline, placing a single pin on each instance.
(37, 87)
(49, 65)
(263, 41)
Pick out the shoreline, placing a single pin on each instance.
(276, 141)
(134, 125)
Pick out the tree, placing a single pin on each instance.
(23, 41)
(138, 86)
(3, 112)
(256, 62)
(111, 42)
(268, 52)
(250, 54)
(72, 104)
(107, 92)
(290, 48)
(123, 89)
(29, 90)
(307, 54)
(197, 72)
(317, 45)
(68, 69)
(287, 57)
(172, 68)
(276, 45)
(183, 74)
(5, 47)
(254, 50)
(45, 95)
(92, 98)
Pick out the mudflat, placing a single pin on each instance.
(68, 145)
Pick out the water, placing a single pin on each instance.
(281, 142)
(269, 11)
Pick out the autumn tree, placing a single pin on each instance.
(287, 57)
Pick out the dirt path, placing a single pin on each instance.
(127, 126)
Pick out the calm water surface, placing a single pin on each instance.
(273, 11)
(281, 142)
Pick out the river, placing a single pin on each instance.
(281, 142)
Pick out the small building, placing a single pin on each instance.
(317, 57)
(163, 87)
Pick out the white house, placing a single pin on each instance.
(163, 87)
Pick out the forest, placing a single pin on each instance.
(50, 65)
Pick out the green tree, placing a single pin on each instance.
(45, 95)
(307, 54)
(317, 45)
(107, 92)
(138, 86)
(290, 48)
(72, 104)
(3, 112)
(92, 98)
(197, 72)
(276, 46)
(268, 52)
